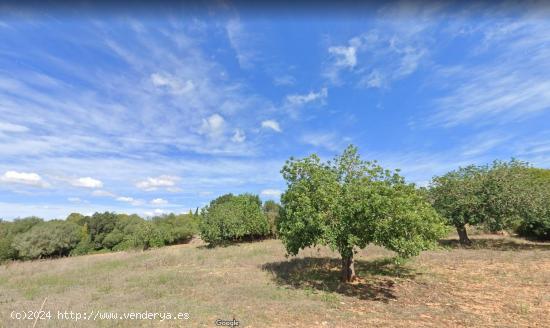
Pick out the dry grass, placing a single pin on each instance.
(498, 282)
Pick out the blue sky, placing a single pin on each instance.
(160, 110)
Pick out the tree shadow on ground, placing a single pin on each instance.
(374, 277)
(500, 244)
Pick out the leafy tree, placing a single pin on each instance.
(349, 203)
(176, 229)
(8, 231)
(146, 236)
(496, 196)
(7, 252)
(535, 223)
(455, 196)
(50, 238)
(107, 230)
(76, 218)
(272, 211)
(233, 218)
(85, 245)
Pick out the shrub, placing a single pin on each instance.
(51, 238)
(146, 236)
(176, 229)
(233, 218)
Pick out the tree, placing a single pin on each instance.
(272, 211)
(233, 218)
(535, 223)
(496, 196)
(50, 238)
(455, 196)
(349, 203)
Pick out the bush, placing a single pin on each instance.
(176, 229)
(233, 218)
(51, 238)
(146, 236)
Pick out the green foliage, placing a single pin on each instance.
(7, 251)
(146, 236)
(456, 195)
(85, 244)
(8, 231)
(350, 203)
(50, 238)
(32, 238)
(233, 218)
(107, 230)
(536, 220)
(177, 229)
(497, 196)
(272, 212)
(76, 218)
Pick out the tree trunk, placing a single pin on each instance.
(348, 269)
(463, 235)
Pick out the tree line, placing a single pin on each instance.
(346, 204)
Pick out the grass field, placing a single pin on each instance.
(498, 282)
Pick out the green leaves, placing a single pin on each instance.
(496, 196)
(348, 202)
(51, 238)
(233, 218)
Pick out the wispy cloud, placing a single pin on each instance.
(239, 39)
(271, 124)
(163, 181)
(328, 140)
(303, 99)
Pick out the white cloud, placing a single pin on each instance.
(125, 199)
(173, 84)
(9, 127)
(159, 201)
(213, 126)
(345, 56)
(102, 193)
(163, 181)
(87, 182)
(74, 199)
(30, 179)
(239, 136)
(271, 192)
(301, 99)
(271, 124)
